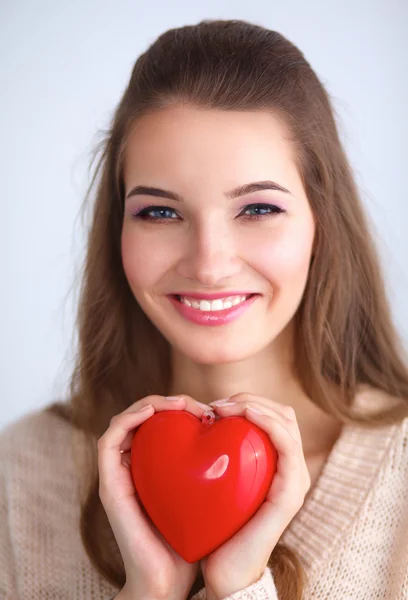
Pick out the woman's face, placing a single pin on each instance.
(208, 241)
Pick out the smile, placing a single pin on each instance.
(212, 312)
(213, 305)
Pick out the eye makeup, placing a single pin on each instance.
(265, 210)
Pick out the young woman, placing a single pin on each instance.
(229, 257)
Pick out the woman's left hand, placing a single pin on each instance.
(241, 561)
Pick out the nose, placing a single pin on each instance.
(211, 254)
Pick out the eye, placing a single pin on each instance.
(145, 213)
(263, 211)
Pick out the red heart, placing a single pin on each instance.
(200, 482)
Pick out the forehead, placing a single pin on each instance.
(189, 142)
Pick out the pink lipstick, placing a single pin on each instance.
(216, 317)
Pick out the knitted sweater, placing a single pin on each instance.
(351, 532)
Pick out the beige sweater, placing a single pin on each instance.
(352, 531)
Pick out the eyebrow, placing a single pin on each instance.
(247, 188)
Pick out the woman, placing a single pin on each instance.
(222, 174)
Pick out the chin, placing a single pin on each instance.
(216, 355)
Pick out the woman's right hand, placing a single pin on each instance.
(154, 570)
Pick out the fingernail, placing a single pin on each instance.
(173, 398)
(224, 403)
(204, 406)
(144, 407)
(218, 402)
(255, 410)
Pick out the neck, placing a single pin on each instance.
(269, 375)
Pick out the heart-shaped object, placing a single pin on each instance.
(200, 481)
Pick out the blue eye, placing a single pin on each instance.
(144, 213)
(265, 211)
(273, 210)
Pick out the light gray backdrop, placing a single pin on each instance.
(63, 68)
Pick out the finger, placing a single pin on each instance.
(292, 468)
(294, 432)
(109, 457)
(291, 461)
(178, 402)
(266, 420)
(291, 426)
(125, 459)
(285, 410)
(157, 401)
(161, 403)
(193, 406)
(240, 408)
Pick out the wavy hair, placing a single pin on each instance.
(345, 333)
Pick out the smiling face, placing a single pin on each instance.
(207, 241)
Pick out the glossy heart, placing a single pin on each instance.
(200, 482)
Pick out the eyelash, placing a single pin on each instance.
(144, 216)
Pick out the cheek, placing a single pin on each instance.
(284, 258)
(142, 263)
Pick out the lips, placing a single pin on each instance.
(211, 296)
(217, 296)
(217, 317)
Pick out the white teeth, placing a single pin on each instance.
(213, 305)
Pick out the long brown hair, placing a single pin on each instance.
(345, 334)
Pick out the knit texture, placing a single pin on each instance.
(264, 589)
(351, 532)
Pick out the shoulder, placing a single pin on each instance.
(371, 400)
(38, 473)
(40, 511)
(38, 425)
(38, 438)
(382, 448)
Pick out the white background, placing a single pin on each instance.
(63, 69)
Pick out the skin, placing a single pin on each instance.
(153, 569)
(205, 244)
(200, 155)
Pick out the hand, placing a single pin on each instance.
(227, 569)
(153, 569)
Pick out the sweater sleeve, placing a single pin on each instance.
(8, 586)
(263, 589)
